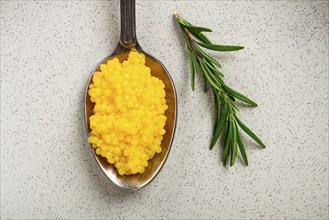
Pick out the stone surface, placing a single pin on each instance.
(48, 50)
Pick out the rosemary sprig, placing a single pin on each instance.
(227, 123)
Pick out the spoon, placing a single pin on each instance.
(128, 41)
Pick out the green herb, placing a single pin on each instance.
(227, 122)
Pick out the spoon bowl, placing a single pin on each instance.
(127, 42)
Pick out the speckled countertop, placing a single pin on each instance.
(49, 48)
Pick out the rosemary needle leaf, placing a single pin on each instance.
(234, 144)
(214, 69)
(196, 64)
(201, 37)
(227, 142)
(208, 77)
(241, 147)
(220, 48)
(219, 128)
(205, 82)
(197, 68)
(209, 58)
(239, 96)
(192, 27)
(217, 79)
(192, 69)
(216, 107)
(249, 132)
(186, 40)
(232, 155)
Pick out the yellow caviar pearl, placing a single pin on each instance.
(128, 120)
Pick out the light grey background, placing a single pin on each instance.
(49, 48)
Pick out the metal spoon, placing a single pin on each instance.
(128, 41)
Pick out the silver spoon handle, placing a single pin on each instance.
(128, 24)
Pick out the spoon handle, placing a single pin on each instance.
(128, 24)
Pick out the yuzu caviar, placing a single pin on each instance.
(128, 118)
